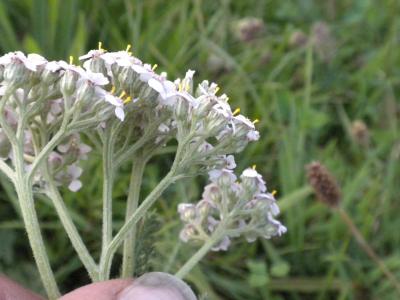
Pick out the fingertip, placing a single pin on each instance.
(106, 290)
(11, 290)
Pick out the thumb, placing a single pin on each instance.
(150, 286)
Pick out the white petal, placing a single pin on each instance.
(119, 112)
(75, 185)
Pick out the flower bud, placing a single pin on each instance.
(187, 212)
(55, 161)
(181, 109)
(127, 78)
(250, 28)
(85, 92)
(16, 73)
(203, 208)
(204, 106)
(215, 122)
(187, 233)
(49, 74)
(96, 65)
(68, 82)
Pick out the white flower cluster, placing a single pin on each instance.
(240, 208)
(111, 87)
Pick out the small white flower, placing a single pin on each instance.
(92, 54)
(74, 172)
(253, 178)
(224, 175)
(118, 103)
(52, 66)
(165, 88)
(31, 62)
(95, 78)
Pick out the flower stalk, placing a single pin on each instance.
(128, 259)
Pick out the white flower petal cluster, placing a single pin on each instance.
(116, 86)
(243, 208)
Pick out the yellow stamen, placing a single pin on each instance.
(128, 99)
(154, 67)
(112, 89)
(187, 87)
(123, 94)
(254, 167)
(71, 59)
(256, 121)
(180, 87)
(274, 192)
(217, 89)
(128, 47)
(101, 46)
(236, 112)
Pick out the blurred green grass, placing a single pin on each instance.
(306, 108)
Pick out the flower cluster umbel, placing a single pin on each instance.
(239, 208)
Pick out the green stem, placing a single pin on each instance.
(108, 178)
(55, 140)
(128, 259)
(368, 249)
(122, 234)
(7, 170)
(25, 196)
(73, 234)
(194, 260)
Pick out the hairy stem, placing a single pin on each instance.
(5, 168)
(122, 234)
(108, 178)
(194, 260)
(25, 197)
(128, 260)
(73, 234)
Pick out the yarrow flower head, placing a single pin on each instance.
(229, 209)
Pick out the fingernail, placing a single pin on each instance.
(157, 286)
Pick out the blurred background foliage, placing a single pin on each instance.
(323, 77)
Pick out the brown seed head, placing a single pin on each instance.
(249, 29)
(324, 184)
(360, 133)
(298, 39)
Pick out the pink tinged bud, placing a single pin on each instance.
(230, 162)
(187, 211)
(222, 245)
(187, 233)
(55, 160)
(203, 208)
(211, 193)
(224, 177)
